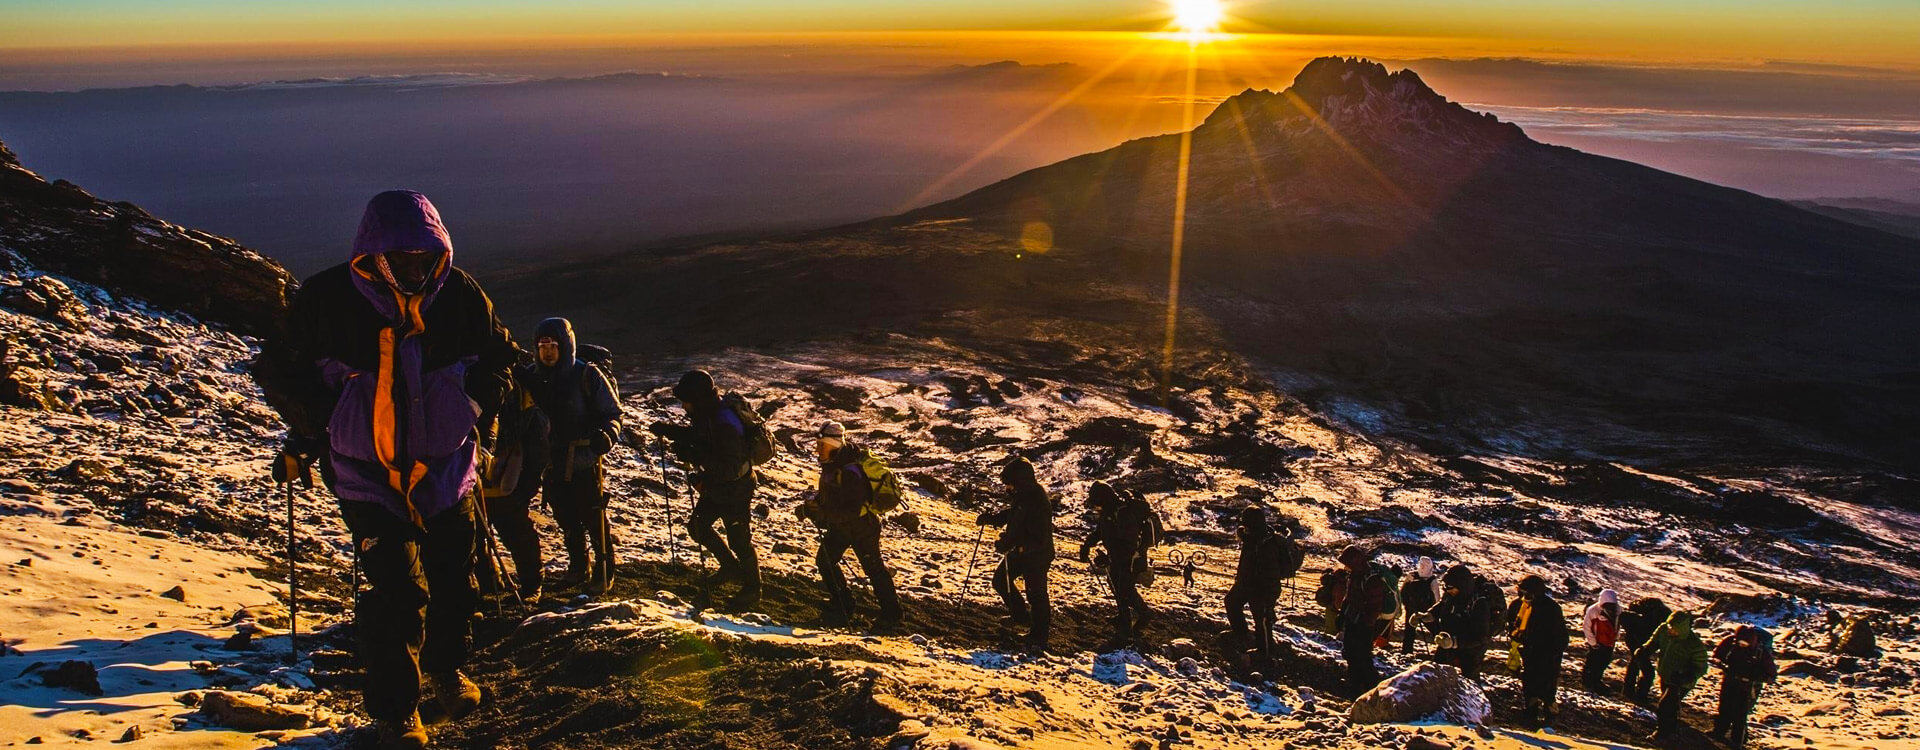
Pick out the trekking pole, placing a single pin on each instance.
(966, 585)
(673, 541)
(293, 585)
(507, 580)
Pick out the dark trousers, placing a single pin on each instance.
(1737, 697)
(1261, 601)
(1129, 605)
(1667, 715)
(1356, 646)
(863, 537)
(731, 505)
(415, 615)
(1594, 673)
(512, 520)
(1639, 683)
(580, 507)
(1408, 635)
(1036, 606)
(1468, 659)
(1540, 683)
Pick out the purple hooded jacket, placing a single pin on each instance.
(395, 382)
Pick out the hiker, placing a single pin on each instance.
(583, 406)
(1331, 595)
(1026, 546)
(510, 477)
(1539, 637)
(718, 445)
(1746, 665)
(1461, 621)
(842, 507)
(1126, 528)
(1418, 594)
(1367, 611)
(1601, 626)
(388, 364)
(1639, 624)
(1681, 662)
(1257, 579)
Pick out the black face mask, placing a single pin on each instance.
(409, 271)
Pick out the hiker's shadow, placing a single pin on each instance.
(132, 674)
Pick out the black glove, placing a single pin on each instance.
(601, 443)
(295, 461)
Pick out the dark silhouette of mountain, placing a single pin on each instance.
(59, 228)
(1885, 214)
(1362, 239)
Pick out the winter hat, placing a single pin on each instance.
(1253, 516)
(832, 429)
(1533, 585)
(1424, 567)
(1355, 554)
(1458, 576)
(1017, 471)
(1681, 621)
(695, 386)
(1102, 495)
(1607, 596)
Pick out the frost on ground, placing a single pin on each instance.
(145, 437)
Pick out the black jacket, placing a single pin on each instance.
(1262, 561)
(1465, 616)
(1545, 635)
(1029, 522)
(1122, 530)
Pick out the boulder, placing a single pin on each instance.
(1422, 692)
(1855, 638)
(48, 298)
(78, 676)
(250, 713)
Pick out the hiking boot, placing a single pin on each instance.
(402, 734)
(746, 599)
(457, 694)
(600, 583)
(573, 577)
(888, 622)
(1140, 623)
(530, 594)
(1016, 622)
(834, 617)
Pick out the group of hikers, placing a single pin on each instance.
(436, 432)
(1465, 614)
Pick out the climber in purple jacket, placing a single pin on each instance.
(387, 365)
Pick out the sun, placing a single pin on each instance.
(1198, 16)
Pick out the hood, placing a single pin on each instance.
(1607, 596)
(1682, 622)
(1018, 472)
(1424, 567)
(399, 220)
(560, 330)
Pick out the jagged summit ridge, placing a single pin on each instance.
(1359, 98)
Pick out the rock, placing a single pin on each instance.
(47, 298)
(250, 713)
(784, 548)
(78, 676)
(177, 593)
(241, 641)
(1804, 668)
(1182, 648)
(1856, 638)
(1423, 742)
(1424, 691)
(132, 733)
(25, 389)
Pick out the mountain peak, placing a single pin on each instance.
(1360, 98)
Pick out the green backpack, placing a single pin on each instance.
(886, 494)
(1391, 607)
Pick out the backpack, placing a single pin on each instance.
(1153, 531)
(886, 494)
(1390, 605)
(1332, 583)
(1496, 605)
(754, 429)
(1292, 556)
(597, 358)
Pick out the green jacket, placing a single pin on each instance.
(1683, 657)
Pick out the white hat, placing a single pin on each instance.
(832, 429)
